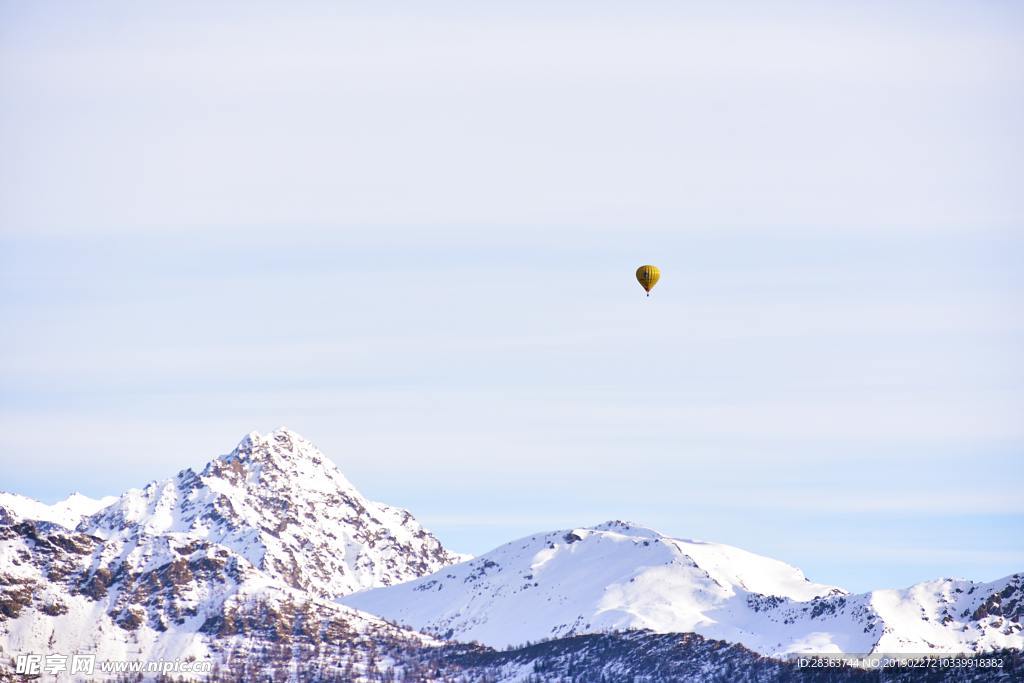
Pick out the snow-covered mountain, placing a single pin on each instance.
(620, 576)
(269, 564)
(70, 592)
(211, 564)
(277, 501)
(68, 512)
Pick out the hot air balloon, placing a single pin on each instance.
(648, 276)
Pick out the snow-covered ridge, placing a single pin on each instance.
(619, 576)
(280, 503)
(68, 512)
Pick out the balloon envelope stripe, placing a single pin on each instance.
(648, 276)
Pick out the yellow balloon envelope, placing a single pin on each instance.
(648, 276)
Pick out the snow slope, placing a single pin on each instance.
(620, 576)
(68, 512)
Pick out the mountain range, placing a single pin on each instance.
(267, 562)
(618, 576)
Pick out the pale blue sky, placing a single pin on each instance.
(411, 235)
